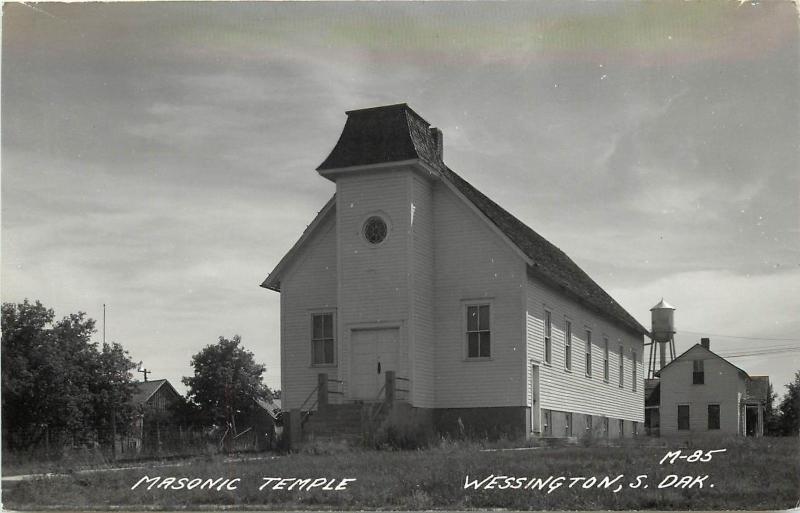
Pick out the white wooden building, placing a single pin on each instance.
(703, 394)
(410, 269)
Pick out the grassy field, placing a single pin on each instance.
(751, 474)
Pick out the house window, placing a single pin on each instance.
(713, 416)
(589, 353)
(633, 370)
(568, 424)
(605, 426)
(548, 424)
(621, 367)
(635, 428)
(621, 428)
(698, 374)
(589, 423)
(548, 332)
(683, 417)
(322, 339)
(605, 358)
(567, 345)
(478, 333)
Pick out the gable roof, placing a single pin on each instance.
(709, 351)
(396, 133)
(147, 389)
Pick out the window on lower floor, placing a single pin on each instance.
(713, 416)
(322, 339)
(683, 417)
(635, 428)
(588, 423)
(478, 332)
(568, 424)
(548, 422)
(621, 428)
(605, 426)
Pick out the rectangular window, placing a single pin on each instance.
(589, 423)
(568, 424)
(548, 424)
(605, 426)
(635, 428)
(478, 333)
(605, 358)
(713, 416)
(621, 428)
(548, 337)
(633, 370)
(621, 366)
(683, 417)
(322, 339)
(698, 374)
(589, 353)
(567, 345)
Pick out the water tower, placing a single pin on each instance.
(663, 333)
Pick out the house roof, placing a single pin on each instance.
(396, 133)
(757, 389)
(709, 351)
(147, 389)
(272, 407)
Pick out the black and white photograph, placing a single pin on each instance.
(400, 256)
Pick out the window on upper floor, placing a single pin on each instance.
(698, 373)
(567, 345)
(322, 339)
(548, 337)
(605, 359)
(478, 331)
(683, 417)
(621, 366)
(633, 370)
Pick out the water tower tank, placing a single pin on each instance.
(662, 316)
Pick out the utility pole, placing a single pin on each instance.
(104, 323)
(143, 371)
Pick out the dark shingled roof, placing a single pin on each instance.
(396, 133)
(382, 134)
(144, 390)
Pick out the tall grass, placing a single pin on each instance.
(752, 474)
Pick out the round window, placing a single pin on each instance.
(375, 230)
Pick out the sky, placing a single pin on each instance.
(159, 157)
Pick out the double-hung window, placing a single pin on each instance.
(698, 373)
(605, 358)
(621, 366)
(567, 345)
(713, 416)
(322, 339)
(683, 417)
(589, 353)
(478, 332)
(548, 337)
(633, 370)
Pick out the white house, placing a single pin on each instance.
(702, 393)
(408, 269)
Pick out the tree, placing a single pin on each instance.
(226, 381)
(54, 378)
(789, 421)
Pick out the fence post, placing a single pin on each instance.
(390, 387)
(322, 391)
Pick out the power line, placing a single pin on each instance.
(737, 336)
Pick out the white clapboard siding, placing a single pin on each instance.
(308, 285)
(374, 279)
(724, 385)
(422, 320)
(573, 391)
(472, 262)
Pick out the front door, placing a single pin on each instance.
(535, 408)
(374, 351)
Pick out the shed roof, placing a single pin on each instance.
(397, 133)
